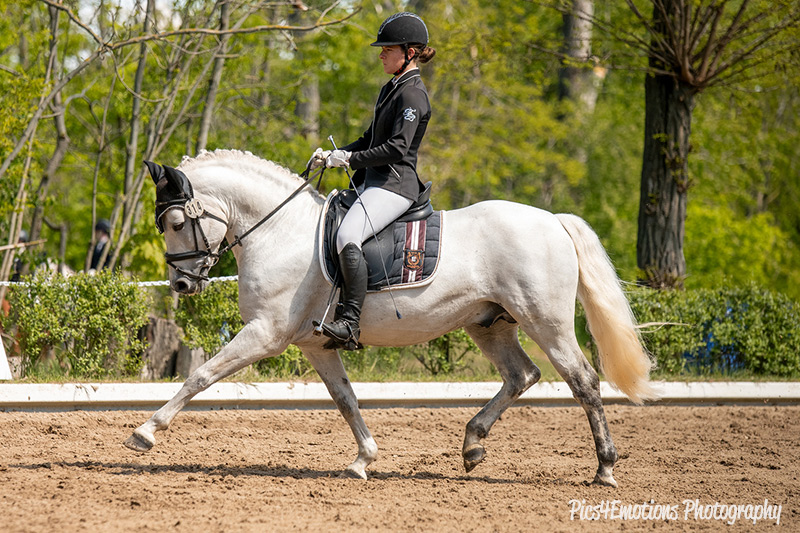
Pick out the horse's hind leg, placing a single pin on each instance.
(562, 349)
(500, 344)
(329, 366)
(246, 347)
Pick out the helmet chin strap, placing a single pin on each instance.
(405, 63)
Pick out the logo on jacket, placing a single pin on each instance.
(409, 114)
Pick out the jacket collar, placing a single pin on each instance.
(393, 84)
(407, 75)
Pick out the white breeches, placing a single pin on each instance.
(375, 205)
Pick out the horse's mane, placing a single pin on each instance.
(238, 157)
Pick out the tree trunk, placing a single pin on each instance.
(213, 84)
(132, 158)
(62, 138)
(576, 82)
(665, 181)
(308, 105)
(60, 150)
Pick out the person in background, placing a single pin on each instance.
(102, 236)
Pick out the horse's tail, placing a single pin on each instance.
(623, 359)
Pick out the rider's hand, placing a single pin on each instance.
(318, 159)
(338, 158)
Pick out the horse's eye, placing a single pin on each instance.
(177, 227)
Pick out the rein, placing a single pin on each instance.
(194, 210)
(309, 178)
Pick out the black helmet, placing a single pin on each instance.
(103, 225)
(402, 28)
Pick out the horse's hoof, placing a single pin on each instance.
(352, 473)
(473, 455)
(604, 480)
(139, 442)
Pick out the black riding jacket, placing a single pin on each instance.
(386, 155)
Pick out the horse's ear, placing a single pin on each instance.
(179, 182)
(156, 171)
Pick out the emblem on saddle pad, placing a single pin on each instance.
(414, 259)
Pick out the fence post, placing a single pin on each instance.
(5, 370)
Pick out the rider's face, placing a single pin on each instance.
(392, 58)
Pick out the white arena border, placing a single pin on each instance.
(306, 395)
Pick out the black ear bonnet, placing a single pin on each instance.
(172, 189)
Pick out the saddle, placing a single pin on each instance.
(407, 250)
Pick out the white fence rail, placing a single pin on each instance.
(23, 396)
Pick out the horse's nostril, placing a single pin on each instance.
(181, 285)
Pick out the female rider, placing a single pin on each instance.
(385, 160)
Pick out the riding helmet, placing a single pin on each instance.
(103, 225)
(402, 28)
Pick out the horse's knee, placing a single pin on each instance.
(198, 380)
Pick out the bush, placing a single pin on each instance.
(89, 324)
(211, 318)
(445, 354)
(720, 331)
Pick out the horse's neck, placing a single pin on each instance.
(246, 198)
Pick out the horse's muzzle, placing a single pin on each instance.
(187, 286)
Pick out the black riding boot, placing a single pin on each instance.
(345, 329)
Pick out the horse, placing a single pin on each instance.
(503, 266)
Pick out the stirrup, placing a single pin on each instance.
(336, 342)
(336, 345)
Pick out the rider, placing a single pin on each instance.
(385, 160)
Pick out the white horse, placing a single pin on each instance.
(502, 266)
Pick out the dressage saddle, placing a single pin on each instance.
(381, 251)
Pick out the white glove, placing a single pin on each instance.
(318, 158)
(338, 158)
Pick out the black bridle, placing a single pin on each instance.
(195, 211)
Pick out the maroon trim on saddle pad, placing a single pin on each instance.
(414, 251)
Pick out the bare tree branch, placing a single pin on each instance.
(115, 45)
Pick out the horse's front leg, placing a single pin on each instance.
(329, 366)
(248, 346)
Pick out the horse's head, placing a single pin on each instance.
(193, 235)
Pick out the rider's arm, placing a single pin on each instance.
(409, 109)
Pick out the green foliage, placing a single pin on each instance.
(720, 245)
(724, 330)
(445, 354)
(88, 324)
(498, 131)
(211, 318)
(495, 133)
(372, 361)
(290, 364)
